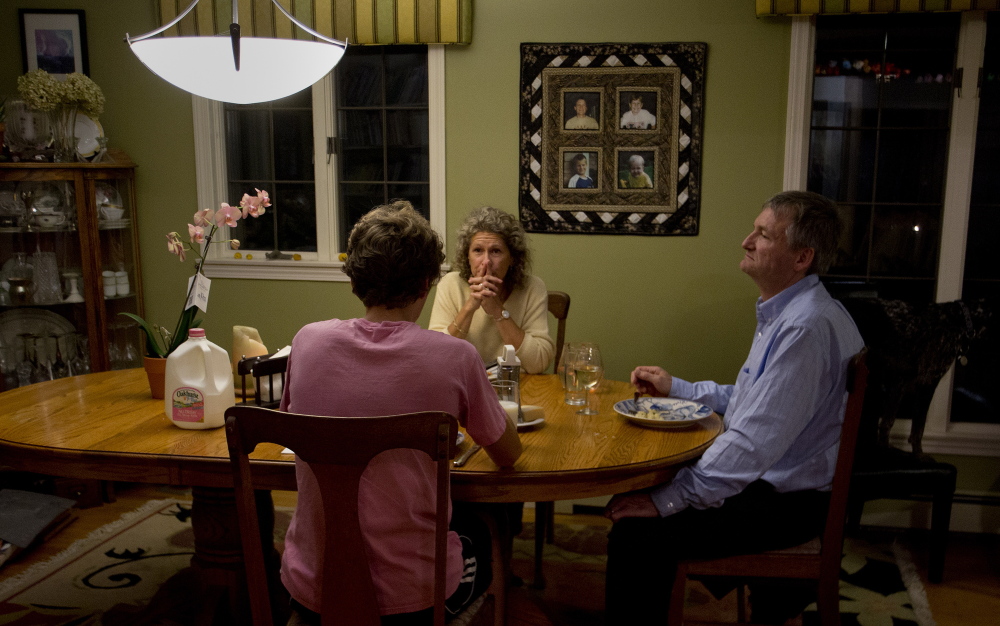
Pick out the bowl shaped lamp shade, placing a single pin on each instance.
(269, 68)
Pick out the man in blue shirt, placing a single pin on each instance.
(764, 483)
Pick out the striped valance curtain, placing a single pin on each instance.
(357, 21)
(831, 7)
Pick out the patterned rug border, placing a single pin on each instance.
(36, 572)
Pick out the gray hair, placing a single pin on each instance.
(814, 223)
(490, 220)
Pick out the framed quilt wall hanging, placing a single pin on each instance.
(610, 137)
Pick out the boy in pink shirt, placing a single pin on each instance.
(384, 364)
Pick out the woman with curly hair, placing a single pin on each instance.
(491, 300)
(336, 368)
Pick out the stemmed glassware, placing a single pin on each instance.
(589, 371)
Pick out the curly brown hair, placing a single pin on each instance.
(507, 227)
(393, 256)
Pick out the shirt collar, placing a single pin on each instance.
(771, 308)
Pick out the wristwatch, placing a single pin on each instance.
(504, 315)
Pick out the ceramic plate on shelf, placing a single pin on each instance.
(113, 224)
(32, 322)
(662, 412)
(87, 131)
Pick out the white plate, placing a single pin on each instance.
(87, 131)
(531, 424)
(673, 412)
(39, 322)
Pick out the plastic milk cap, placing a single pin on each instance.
(508, 358)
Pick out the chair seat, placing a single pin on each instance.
(897, 472)
(794, 562)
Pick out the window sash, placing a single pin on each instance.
(211, 178)
(940, 434)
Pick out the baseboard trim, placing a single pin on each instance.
(969, 514)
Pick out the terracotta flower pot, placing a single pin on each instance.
(156, 371)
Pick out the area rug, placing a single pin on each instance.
(879, 584)
(108, 576)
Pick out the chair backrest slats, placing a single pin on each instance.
(559, 308)
(337, 450)
(833, 534)
(261, 367)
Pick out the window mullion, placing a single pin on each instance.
(325, 167)
(961, 156)
(799, 107)
(958, 193)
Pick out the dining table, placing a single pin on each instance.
(106, 426)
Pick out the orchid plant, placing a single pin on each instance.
(160, 342)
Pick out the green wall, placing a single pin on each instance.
(676, 301)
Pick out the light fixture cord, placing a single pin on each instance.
(234, 34)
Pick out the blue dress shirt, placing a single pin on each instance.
(783, 415)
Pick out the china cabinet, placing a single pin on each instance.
(69, 264)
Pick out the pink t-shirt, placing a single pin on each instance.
(357, 368)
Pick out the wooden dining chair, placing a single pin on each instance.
(818, 559)
(545, 512)
(260, 368)
(559, 308)
(348, 592)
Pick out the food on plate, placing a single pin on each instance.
(653, 415)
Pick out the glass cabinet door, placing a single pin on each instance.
(113, 204)
(67, 242)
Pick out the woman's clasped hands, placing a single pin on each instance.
(485, 290)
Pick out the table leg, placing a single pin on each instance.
(218, 555)
(543, 528)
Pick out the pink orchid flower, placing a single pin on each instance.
(234, 244)
(196, 233)
(204, 217)
(227, 215)
(254, 205)
(174, 245)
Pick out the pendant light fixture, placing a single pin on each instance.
(236, 69)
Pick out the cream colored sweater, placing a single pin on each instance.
(528, 306)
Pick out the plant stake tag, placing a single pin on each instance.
(199, 295)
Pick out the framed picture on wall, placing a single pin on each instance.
(581, 109)
(610, 138)
(580, 167)
(54, 40)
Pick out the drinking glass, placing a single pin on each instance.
(509, 394)
(575, 394)
(589, 372)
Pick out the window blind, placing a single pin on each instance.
(767, 8)
(366, 22)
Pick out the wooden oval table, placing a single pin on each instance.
(106, 426)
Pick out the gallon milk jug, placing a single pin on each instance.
(198, 384)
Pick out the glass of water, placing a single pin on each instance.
(575, 394)
(589, 372)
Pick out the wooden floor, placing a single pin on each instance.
(969, 596)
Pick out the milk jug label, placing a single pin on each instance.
(189, 405)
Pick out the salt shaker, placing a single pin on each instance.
(509, 368)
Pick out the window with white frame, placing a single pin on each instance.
(370, 132)
(896, 118)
